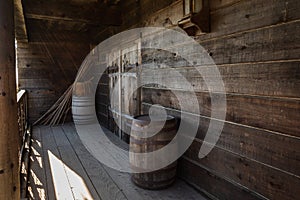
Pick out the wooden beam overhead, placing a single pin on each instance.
(20, 25)
(83, 1)
(65, 20)
(38, 25)
(54, 18)
(91, 12)
(38, 34)
(112, 2)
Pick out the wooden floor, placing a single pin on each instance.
(62, 168)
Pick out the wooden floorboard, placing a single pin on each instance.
(105, 186)
(62, 168)
(37, 188)
(76, 174)
(48, 144)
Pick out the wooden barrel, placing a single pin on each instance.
(162, 178)
(82, 88)
(83, 110)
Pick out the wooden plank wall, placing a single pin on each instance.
(102, 101)
(134, 14)
(255, 44)
(47, 67)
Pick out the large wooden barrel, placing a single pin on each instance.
(83, 110)
(158, 179)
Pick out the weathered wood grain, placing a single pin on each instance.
(104, 78)
(256, 47)
(37, 186)
(102, 89)
(9, 135)
(264, 146)
(50, 65)
(259, 45)
(48, 145)
(267, 181)
(139, 11)
(105, 186)
(251, 14)
(103, 119)
(64, 11)
(266, 79)
(179, 190)
(42, 103)
(102, 98)
(173, 13)
(36, 83)
(212, 185)
(271, 43)
(102, 108)
(275, 114)
(30, 74)
(218, 4)
(72, 162)
(20, 26)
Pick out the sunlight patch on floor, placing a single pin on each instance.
(40, 190)
(67, 184)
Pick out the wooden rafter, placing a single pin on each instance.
(91, 13)
(20, 25)
(62, 19)
(112, 2)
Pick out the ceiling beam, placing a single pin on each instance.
(93, 13)
(112, 2)
(20, 25)
(54, 18)
(62, 19)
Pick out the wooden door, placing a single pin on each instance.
(125, 64)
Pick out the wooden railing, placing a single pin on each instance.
(22, 115)
(24, 141)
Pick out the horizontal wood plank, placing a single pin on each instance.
(271, 183)
(269, 79)
(206, 181)
(280, 115)
(244, 47)
(253, 14)
(218, 4)
(266, 44)
(266, 147)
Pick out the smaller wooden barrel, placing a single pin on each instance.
(83, 110)
(162, 178)
(82, 88)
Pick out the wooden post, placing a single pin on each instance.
(9, 140)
